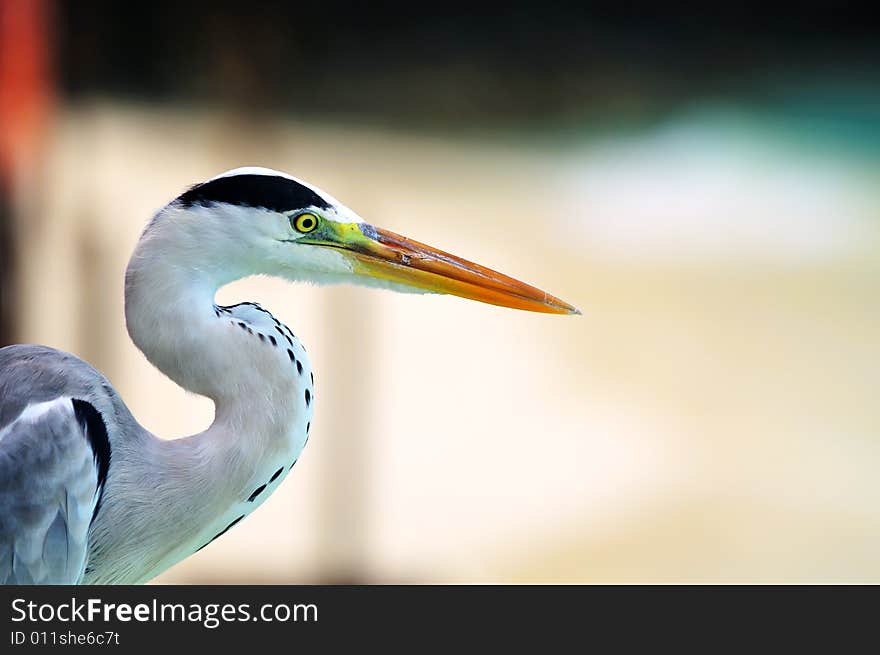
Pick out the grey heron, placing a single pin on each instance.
(87, 495)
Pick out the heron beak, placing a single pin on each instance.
(389, 256)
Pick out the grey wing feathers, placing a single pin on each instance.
(49, 489)
(57, 415)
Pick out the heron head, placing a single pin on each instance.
(273, 223)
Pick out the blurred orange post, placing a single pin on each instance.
(25, 104)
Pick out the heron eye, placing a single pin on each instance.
(305, 223)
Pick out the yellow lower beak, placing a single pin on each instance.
(383, 254)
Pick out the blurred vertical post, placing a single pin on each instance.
(25, 99)
(343, 538)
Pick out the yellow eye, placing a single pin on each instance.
(305, 223)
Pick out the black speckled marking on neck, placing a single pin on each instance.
(221, 533)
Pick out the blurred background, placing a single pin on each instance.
(704, 186)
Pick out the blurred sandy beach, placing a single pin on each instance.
(710, 418)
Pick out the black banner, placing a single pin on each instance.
(272, 617)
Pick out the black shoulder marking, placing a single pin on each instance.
(276, 474)
(95, 429)
(272, 192)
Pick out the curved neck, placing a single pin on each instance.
(261, 388)
(170, 284)
(171, 317)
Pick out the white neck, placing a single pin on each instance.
(202, 482)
